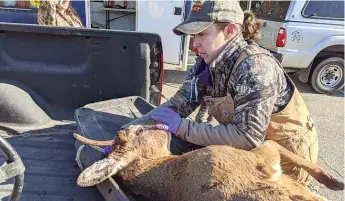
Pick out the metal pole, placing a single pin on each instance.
(249, 5)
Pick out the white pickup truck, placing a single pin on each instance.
(308, 37)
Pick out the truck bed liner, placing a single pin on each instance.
(101, 121)
(51, 171)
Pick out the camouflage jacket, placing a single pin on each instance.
(257, 86)
(49, 15)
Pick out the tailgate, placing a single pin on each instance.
(273, 14)
(269, 35)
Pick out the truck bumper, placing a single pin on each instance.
(295, 59)
(278, 56)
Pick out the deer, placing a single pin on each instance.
(140, 156)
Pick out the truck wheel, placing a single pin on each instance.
(328, 75)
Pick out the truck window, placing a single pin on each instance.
(324, 9)
(270, 10)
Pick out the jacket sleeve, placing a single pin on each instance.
(256, 83)
(184, 101)
(47, 12)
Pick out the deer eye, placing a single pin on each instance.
(139, 131)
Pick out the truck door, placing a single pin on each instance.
(161, 17)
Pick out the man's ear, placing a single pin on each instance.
(230, 31)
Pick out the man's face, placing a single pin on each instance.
(211, 42)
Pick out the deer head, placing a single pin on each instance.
(130, 144)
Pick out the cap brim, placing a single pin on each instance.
(191, 27)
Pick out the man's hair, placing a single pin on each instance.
(250, 29)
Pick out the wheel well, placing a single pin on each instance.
(334, 50)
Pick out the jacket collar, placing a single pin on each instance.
(221, 67)
(236, 45)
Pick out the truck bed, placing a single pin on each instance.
(46, 73)
(51, 171)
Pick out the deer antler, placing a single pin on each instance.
(92, 142)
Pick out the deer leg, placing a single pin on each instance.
(313, 169)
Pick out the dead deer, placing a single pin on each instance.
(140, 157)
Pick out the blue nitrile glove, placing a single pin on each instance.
(167, 116)
(205, 76)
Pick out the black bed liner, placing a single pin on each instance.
(51, 173)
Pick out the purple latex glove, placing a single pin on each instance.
(205, 76)
(167, 116)
(107, 150)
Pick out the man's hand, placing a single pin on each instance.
(167, 116)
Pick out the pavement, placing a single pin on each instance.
(328, 116)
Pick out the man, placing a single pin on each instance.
(246, 90)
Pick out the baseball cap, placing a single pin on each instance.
(205, 13)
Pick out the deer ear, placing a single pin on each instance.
(97, 172)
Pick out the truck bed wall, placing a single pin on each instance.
(62, 69)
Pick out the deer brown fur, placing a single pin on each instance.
(141, 158)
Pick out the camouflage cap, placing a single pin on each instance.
(205, 13)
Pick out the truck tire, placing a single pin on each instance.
(328, 75)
